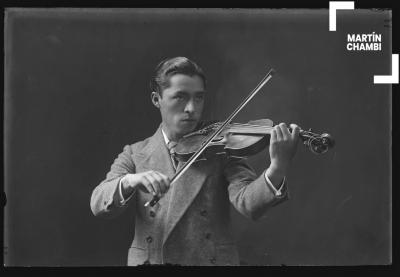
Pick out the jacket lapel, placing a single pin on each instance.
(183, 192)
(155, 156)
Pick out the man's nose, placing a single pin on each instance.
(190, 107)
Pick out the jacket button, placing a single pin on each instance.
(203, 213)
(213, 260)
(105, 202)
(152, 213)
(208, 235)
(149, 239)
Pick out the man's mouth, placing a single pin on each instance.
(189, 120)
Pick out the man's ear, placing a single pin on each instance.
(155, 98)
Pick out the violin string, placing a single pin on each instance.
(253, 128)
(238, 125)
(259, 127)
(250, 130)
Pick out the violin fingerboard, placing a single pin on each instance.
(262, 122)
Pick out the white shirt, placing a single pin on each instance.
(277, 192)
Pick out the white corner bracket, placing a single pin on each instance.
(337, 5)
(390, 79)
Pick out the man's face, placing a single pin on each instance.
(181, 104)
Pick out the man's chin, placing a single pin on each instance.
(187, 127)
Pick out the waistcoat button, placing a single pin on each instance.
(213, 260)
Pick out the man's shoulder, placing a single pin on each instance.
(139, 145)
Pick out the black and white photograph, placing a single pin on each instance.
(198, 136)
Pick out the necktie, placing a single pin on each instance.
(171, 147)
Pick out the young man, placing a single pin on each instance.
(190, 225)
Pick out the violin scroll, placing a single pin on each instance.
(318, 144)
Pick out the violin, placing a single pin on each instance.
(235, 139)
(242, 140)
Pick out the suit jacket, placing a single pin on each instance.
(190, 225)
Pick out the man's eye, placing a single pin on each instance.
(179, 97)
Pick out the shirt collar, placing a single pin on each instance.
(166, 139)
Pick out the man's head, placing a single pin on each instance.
(178, 89)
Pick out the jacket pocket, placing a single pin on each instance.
(137, 256)
(226, 254)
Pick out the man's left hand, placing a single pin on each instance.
(282, 148)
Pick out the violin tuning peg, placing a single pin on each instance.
(328, 140)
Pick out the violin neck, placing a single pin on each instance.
(260, 130)
(246, 129)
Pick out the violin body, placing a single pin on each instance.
(233, 141)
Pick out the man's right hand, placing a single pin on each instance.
(153, 182)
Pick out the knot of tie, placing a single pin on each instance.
(171, 146)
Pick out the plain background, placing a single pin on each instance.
(76, 92)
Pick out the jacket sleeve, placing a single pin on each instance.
(105, 200)
(249, 194)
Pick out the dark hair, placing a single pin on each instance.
(170, 67)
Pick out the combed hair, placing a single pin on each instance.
(171, 66)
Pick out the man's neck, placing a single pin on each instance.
(167, 135)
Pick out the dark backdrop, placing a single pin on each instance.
(76, 92)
